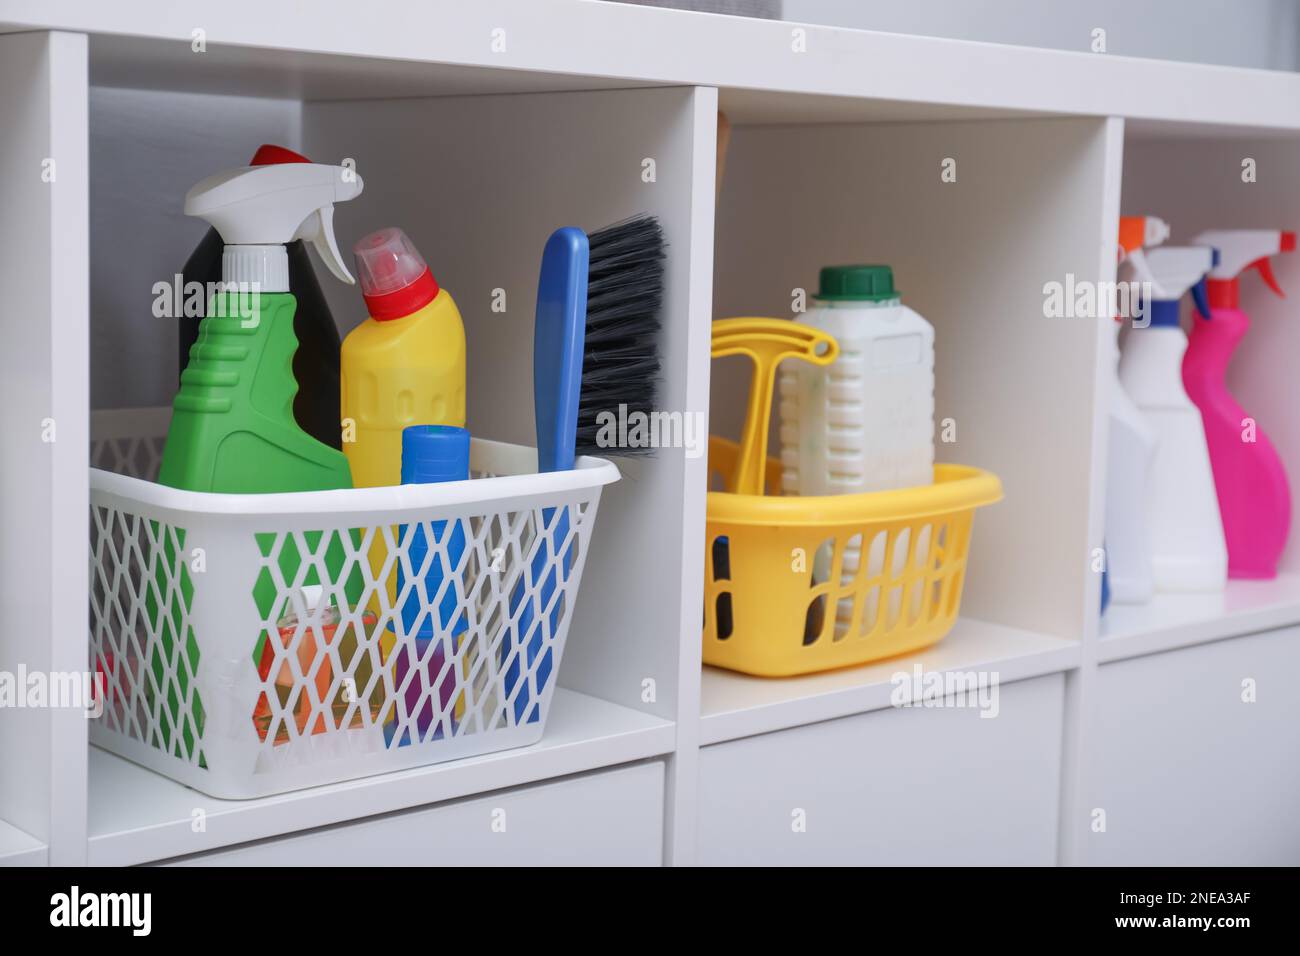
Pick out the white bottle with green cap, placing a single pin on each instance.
(866, 421)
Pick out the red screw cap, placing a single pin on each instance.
(394, 278)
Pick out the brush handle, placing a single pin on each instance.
(558, 339)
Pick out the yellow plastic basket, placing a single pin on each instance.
(777, 601)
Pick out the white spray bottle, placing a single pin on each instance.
(1188, 552)
(1130, 453)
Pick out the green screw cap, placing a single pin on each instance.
(856, 283)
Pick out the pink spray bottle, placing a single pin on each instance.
(1254, 496)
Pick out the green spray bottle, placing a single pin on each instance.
(233, 428)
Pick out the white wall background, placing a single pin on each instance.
(1252, 33)
(148, 149)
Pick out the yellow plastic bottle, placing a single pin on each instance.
(405, 365)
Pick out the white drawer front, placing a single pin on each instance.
(1189, 773)
(610, 818)
(919, 786)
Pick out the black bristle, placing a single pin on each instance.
(620, 362)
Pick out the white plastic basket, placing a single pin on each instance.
(220, 672)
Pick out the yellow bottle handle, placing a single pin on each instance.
(768, 342)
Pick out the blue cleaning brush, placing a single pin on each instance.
(595, 347)
(596, 341)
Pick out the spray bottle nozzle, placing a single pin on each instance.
(1242, 249)
(1138, 232)
(271, 205)
(1168, 272)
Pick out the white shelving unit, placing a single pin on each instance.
(1172, 621)
(138, 816)
(737, 705)
(481, 126)
(20, 849)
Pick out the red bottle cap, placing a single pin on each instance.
(394, 278)
(269, 154)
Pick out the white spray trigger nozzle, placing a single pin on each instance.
(1240, 248)
(318, 229)
(276, 204)
(1173, 270)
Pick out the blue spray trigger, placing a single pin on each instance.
(1199, 296)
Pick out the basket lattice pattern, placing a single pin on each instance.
(483, 667)
(139, 456)
(142, 641)
(351, 665)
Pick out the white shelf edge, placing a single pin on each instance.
(1172, 621)
(731, 53)
(138, 816)
(736, 705)
(19, 848)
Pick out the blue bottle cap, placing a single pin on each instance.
(434, 453)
